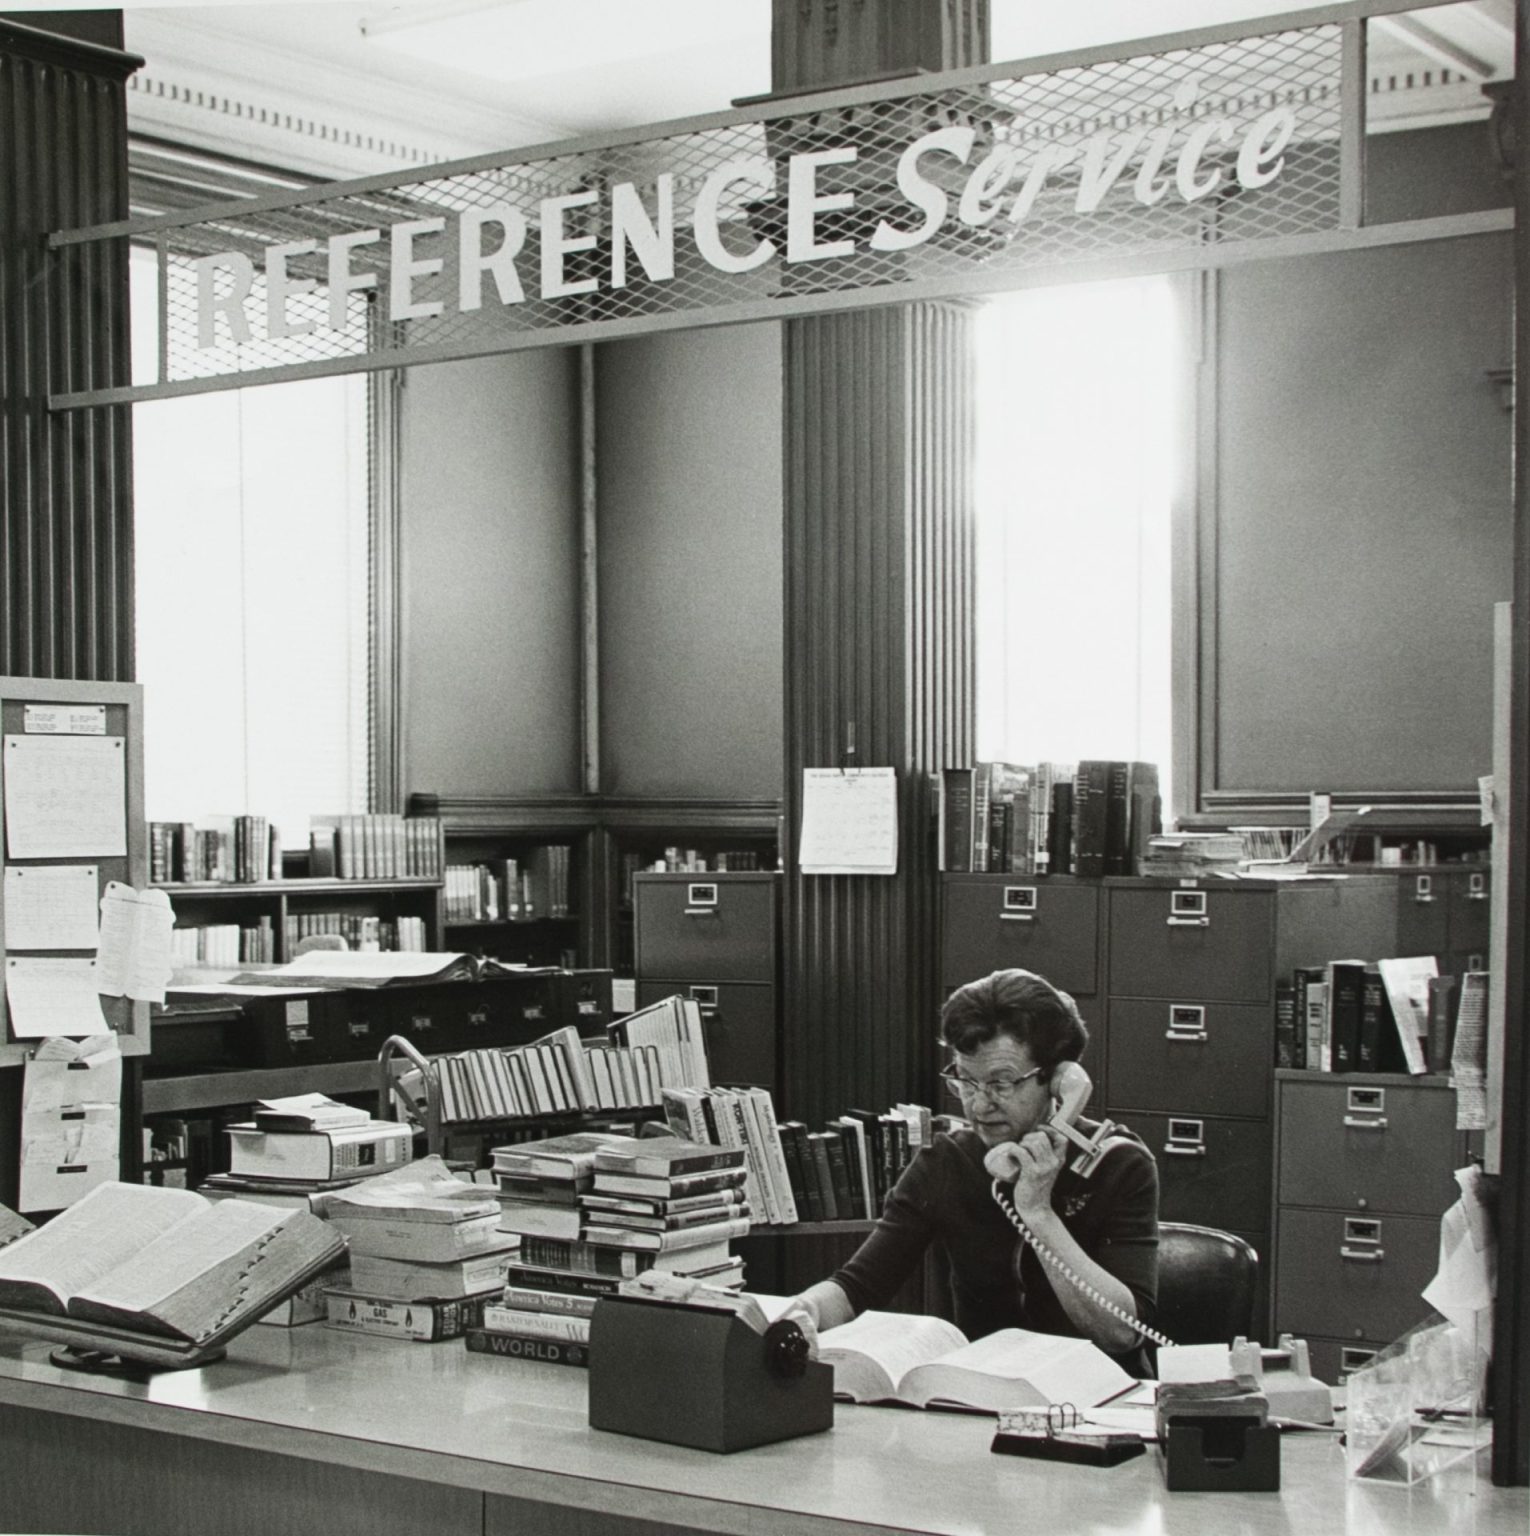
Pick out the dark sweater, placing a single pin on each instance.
(945, 1197)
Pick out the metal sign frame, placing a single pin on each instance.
(1090, 110)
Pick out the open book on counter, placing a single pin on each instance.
(922, 1362)
(160, 1275)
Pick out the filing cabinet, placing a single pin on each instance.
(1190, 1019)
(1364, 1170)
(713, 937)
(1444, 912)
(1051, 926)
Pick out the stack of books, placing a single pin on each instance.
(744, 1118)
(427, 1253)
(619, 1206)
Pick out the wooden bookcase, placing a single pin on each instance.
(212, 902)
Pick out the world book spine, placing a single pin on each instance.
(485, 1341)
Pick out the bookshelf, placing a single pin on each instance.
(287, 905)
(608, 838)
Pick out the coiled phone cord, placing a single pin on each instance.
(1070, 1275)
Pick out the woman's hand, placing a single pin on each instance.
(1032, 1163)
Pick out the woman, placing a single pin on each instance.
(1015, 1041)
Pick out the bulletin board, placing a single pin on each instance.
(60, 739)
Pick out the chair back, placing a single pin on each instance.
(1207, 1283)
(318, 941)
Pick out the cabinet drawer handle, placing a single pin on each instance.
(1476, 895)
(707, 1012)
(1378, 1123)
(702, 912)
(1170, 1150)
(1423, 900)
(1188, 922)
(1172, 1033)
(1363, 1255)
(1017, 917)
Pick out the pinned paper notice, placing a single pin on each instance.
(134, 958)
(50, 906)
(71, 1121)
(65, 796)
(50, 996)
(849, 821)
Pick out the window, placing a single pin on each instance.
(1077, 412)
(253, 561)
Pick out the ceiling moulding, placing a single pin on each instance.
(228, 116)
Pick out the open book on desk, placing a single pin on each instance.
(381, 968)
(921, 1362)
(159, 1275)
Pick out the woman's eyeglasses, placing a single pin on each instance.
(995, 1089)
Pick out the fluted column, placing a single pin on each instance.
(878, 596)
(66, 503)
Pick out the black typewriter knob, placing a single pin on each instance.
(786, 1348)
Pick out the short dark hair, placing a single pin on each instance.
(1022, 1005)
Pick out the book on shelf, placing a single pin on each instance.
(306, 1112)
(663, 1215)
(892, 1357)
(135, 1259)
(514, 1346)
(371, 1148)
(391, 1279)
(673, 1026)
(1406, 979)
(529, 1298)
(540, 1219)
(421, 1242)
(576, 1285)
(425, 1322)
(1441, 1022)
(375, 846)
(1346, 995)
(578, 1257)
(569, 1157)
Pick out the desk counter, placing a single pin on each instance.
(313, 1431)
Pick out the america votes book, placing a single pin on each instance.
(164, 1262)
(921, 1362)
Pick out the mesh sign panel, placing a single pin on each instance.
(886, 195)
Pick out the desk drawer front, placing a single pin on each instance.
(1361, 1147)
(997, 922)
(1210, 945)
(1213, 1172)
(1353, 1276)
(1213, 1055)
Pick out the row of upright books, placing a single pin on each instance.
(1092, 818)
(1392, 1015)
(660, 1047)
(511, 890)
(375, 846)
(843, 1173)
(223, 943)
(221, 849)
(361, 931)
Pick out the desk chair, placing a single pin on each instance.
(318, 941)
(1207, 1281)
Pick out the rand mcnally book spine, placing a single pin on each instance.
(1346, 993)
(485, 1341)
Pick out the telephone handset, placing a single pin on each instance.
(1070, 1088)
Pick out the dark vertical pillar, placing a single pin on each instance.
(878, 595)
(66, 504)
(1511, 1323)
